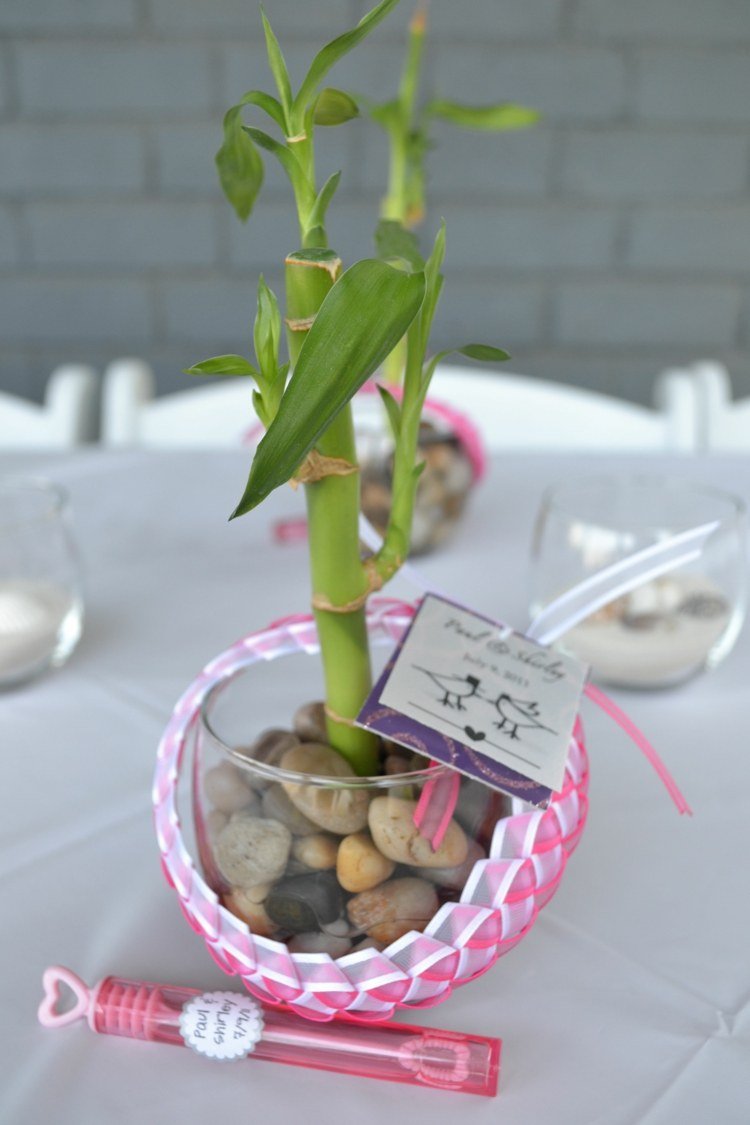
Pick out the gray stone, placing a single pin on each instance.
(277, 805)
(226, 789)
(318, 942)
(310, 722)
(252, 850)
(305, 903)
(453, 878)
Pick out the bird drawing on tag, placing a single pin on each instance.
(455, 688)
(517, 714)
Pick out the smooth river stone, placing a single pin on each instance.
(341, 811)
(269, 748)
(305, 903)
(394, 908)
(318, 851)
(453, 878)
(359, 865)
(226, 789)
(310, 722)
(252, 850)
(252, 913)
(317, 942)
(397, 837)
(278, 806)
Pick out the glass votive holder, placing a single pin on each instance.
(41, 603)
(670, 627)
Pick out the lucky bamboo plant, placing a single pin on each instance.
(408, 123)
(340, 326)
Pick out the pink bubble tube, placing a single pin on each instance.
(229, 1025)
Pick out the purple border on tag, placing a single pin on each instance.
(408, 732)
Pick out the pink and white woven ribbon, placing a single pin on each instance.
(497, 907)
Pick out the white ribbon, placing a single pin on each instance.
(586, 597)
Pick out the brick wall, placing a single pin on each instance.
(605, 244)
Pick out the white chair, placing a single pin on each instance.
(211, 417)
(723, 423)
(518, 412)
(66, 418)
(510, 411)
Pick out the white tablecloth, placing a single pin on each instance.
(628, 1002)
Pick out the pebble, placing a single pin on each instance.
(396, 763)
(317, 942)
(359, 865)
(454, 878)
(252, 850)
(341, 811)
(318, 851)
(310, 722)
(278, 806)
(226, 788)
(305, 902)
(269, 748)
(479, 808)
(252, 913)
(215, 821)
(398, 838)
(393, 909)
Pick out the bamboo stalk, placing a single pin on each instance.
(337, 575)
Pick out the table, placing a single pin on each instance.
(628, 1002)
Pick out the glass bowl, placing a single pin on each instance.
(671, 627)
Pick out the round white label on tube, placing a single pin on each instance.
(222, 1025)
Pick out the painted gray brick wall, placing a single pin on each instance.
(609, 242)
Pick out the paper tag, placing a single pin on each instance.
(222, 1025)
(474, 694)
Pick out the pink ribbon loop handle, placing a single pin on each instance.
(597, 696)
(436, 804)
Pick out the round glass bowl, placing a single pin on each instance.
(41, 605)
(307, 853)
(671, 627)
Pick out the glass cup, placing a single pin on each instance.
(671, 627)
(41, 604)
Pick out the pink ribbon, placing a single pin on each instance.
(597, 696)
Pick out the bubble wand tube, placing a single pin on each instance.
(232, 1025)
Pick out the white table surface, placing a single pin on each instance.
(628, 1002)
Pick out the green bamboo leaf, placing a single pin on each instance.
(487, 118)
(267, 331)
(483, 352)
(223, 365)
(239, 165)
(393, 410)
(267, 103)
(317, 216)
(284, 155)
(433, 284)
(335, 50)
(278, 66)
(387, 114)
(393, 241)
(360, 321)
(334, 107)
